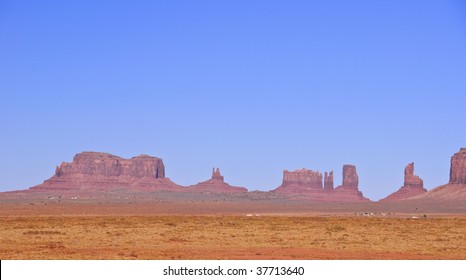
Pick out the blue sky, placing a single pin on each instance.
(253, 87)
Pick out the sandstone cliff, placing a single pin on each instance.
(413, 186)
(458, 167)
(102, 164)
(300, 181)
(91, 170)
(349, 190)
(350, 177)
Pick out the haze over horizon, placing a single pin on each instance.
(250, 87)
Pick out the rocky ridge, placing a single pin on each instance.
(101, 172)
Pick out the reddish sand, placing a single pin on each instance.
(194, 226)
(231, 237)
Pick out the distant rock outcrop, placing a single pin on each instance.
(350, 177)
(411, 180)
(300, 181)
(92, 170)
(328, 181)
(456, 187)
(103, 164)
(349, 190)
(308, 184)
(413, 186)
(458, 168)
(215, 185)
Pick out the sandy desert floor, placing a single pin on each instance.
(231, 237)
(161, 227)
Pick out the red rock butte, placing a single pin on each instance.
(349, 190)
(458, 168)
(93, 172)
(102, 171)
(308, 184)
(300, 181)
(215, 185)
(413, 186)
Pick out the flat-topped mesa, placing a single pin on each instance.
(102, 171)
(413, 186)
(300, 180)
(303, 177)
(328, 181)
(103, 164)
(215, 185)
(458, 168)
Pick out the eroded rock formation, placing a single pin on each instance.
(349, 190)
(456, 187)
(350, 177)
(300, 181)
(328, 181)
(215, 185)
(103, 164)
(308, 184)
(216, 174)
(412, 180)
(413, 186)
(458, 168)
(91, 170)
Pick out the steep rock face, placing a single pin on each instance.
(328, 181)
(91, 170)
(215, 185)
(458, 167)
(411, 180)
(349, 190)
(350, 177)
(413, 186)
(300, 181)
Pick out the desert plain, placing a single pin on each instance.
(101, 206)
(155, 226)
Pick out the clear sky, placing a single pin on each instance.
(253, 87)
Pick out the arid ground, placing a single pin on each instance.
(231, 237)
(217, 229)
